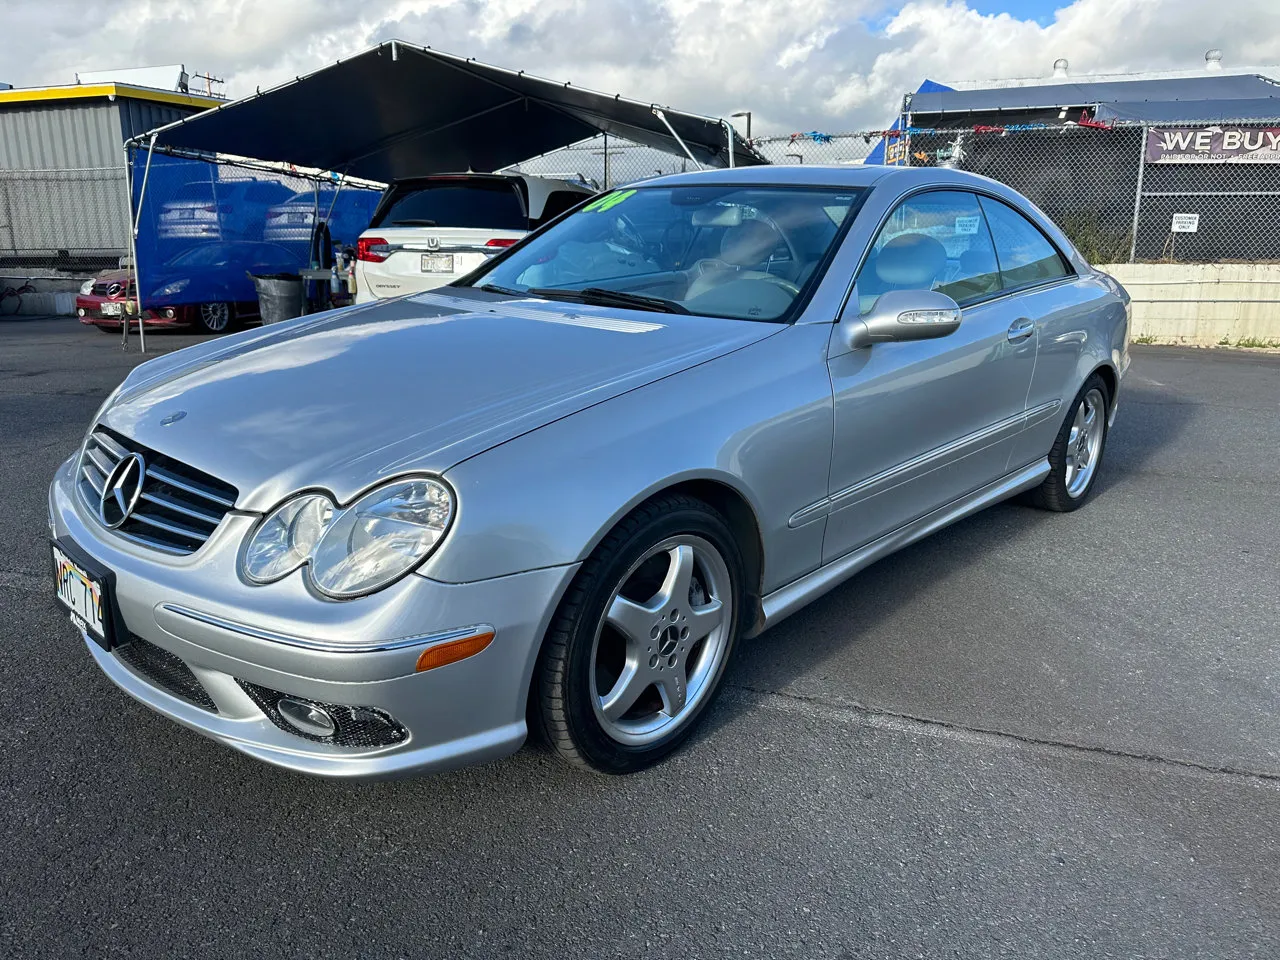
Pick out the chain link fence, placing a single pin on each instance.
(1094, 182)
(75, 219)
(1098, 184)
(607, 162)
(1116, 203)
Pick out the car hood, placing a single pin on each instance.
(344, 399)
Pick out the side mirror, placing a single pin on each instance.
(903, 315)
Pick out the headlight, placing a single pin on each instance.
(169, 289)
(357, 549)
(86, 288)
(286, 538)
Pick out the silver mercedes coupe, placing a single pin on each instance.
(557, 493)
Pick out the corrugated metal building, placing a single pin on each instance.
(64, 196)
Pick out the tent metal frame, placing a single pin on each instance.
(152, 141)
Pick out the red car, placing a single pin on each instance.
(103, 306)
(207, 286)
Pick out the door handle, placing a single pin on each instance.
(1021, 329)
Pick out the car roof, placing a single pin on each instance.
(528, 178)
(820, 175)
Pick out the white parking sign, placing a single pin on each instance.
(1185, 223)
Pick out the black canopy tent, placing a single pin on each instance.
(402, 110)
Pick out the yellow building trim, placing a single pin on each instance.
(86, 91)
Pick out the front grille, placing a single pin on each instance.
(111, 288)
(355, 726)
(180, 506)
(166, 671)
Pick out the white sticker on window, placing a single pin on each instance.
(967, 225)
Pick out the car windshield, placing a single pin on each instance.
(746, 252)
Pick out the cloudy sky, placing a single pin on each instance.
(797, 64)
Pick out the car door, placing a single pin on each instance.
(920, 424)
(1043, 286)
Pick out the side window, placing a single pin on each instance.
(558, 201)
(1025, 254)
(932, 241)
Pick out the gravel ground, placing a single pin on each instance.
(1033, 735)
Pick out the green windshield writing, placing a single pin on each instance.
(607, 202)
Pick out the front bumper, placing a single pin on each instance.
(360, 653)
(89, 310)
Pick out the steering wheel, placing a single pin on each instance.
(626, 230)
(786, 285)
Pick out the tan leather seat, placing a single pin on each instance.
(745, 245)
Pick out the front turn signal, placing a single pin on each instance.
(451, 651)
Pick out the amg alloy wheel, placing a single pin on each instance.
(1077, 451)
(640, 644)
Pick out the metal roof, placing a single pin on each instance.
(401, 110)
(93, 91)
(1189, 111)
(1232, 93)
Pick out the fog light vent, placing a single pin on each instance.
(307, 717)
(334, 723)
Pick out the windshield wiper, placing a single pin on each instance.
(601, 297)
(414, 222)
(494, 288)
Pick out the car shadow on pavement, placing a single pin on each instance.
(792, 657)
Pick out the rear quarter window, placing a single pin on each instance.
(1026, 255)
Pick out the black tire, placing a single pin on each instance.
(1054, 493)
(563, 712)
(209, 316)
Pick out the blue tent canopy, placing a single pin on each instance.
(1227, 97)
(876, 156)
(1189, 111)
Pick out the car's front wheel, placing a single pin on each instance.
(215, 317)
(638, 648)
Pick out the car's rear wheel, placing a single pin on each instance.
(1077, 451)
(638, 648)
(215, 317)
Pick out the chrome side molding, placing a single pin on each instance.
(785, 601)
(928, 461)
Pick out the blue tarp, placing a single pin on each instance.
(205, 227)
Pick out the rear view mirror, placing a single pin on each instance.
(903, 315)
(717, 216)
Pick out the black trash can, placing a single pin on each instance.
(281, 296)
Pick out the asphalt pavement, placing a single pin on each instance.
(1032, 735)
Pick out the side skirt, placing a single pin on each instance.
(785, 601)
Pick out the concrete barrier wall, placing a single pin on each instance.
(1207, 304)
(53, 296)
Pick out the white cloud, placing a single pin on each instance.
(824, 64)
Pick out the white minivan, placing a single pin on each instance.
(429, 231)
